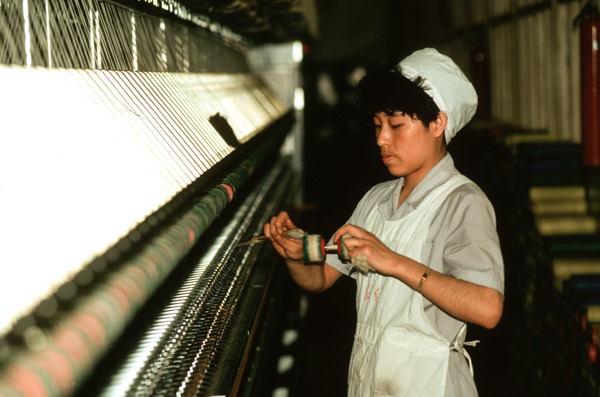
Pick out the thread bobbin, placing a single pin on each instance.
(313, 248)
(341, 248)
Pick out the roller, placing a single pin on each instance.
(314, 249)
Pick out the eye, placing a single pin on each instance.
(396, 122)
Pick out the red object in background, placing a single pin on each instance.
(590, 87)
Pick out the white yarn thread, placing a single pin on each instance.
(295, 233)
(359, 262)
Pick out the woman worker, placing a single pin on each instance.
(429, 236)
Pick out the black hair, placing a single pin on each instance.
(387, 90)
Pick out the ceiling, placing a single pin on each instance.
(377, 30)
(333, 30)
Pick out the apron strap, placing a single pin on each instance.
(457, 347)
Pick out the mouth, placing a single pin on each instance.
(387, 158)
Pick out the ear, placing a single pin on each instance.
(438, 126)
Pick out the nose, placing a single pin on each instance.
(382, 135)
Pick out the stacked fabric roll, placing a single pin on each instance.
(557, 286)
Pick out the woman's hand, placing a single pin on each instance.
(276, 231)
(461, 299)
(378, 255)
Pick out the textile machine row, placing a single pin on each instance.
(138, 146)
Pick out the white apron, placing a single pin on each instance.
(397, 352)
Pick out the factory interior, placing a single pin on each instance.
(143, 140)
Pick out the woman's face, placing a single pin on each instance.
(408, 147)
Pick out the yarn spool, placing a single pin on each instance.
(313, 248)
(341, 248)
(359, 262)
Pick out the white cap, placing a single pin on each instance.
(443, 81)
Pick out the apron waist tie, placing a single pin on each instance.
(457, 347)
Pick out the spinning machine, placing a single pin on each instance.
(140, 142)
